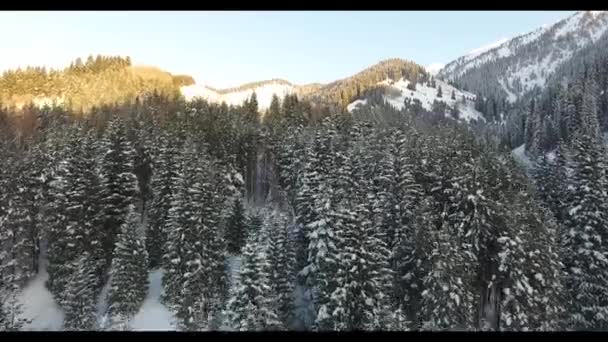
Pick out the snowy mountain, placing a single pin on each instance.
(236, 96)
(515, 67)
(434, 68)
(398, 92)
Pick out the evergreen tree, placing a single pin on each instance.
(585, 260)
(80, 302)
(118, 183)
(13, 270)
(250, 307)
(129, 271)
(282, 272)
(163, 180)
(236, 228)
(439, 92)
(447, 299)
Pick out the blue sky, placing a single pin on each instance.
(230, 48)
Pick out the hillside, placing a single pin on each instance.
(82, 85)
(236, 96)
(341, 92)
(513, 68)
(427, 94)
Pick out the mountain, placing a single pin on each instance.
(397, 93)
(341, 92)
(513, 68)
(100, 80)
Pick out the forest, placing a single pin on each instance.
(379, 219)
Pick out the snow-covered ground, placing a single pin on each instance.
(263, 93)
(427, 95)
(39, 305)
(520, 155)
(356, 104)
(153, 315)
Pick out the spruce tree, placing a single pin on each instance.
(129, 271)
(281, 260)
(250, 307)
(164, 176)
(80, 302)
(118, 183)
(236, 229)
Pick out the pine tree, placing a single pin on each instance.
(236, 228)
(273, 116)
(282, 272)
(194, 260)
(439, 92)
(533, 130)
(13, 270)
(163, 180)
(80, 308)
(118, 183)
(75, 226)
(453, 95)
(585, 260)
(447, 299)
(129, 271)
(250, 307)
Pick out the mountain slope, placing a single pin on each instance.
(236, 96)
(341, 92)
(397, 93)
(523, 64)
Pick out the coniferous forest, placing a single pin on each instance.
(123, 202)
(341, 223)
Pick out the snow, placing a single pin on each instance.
(427, 95)
(153, 315)
(263, 92)
(478, 51)
(434, 68)
(356, 104)
(520, 154)
(39, 305)
(559, 42)
(234, 266)
(102, 304)
(574, 210)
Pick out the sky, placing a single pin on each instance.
(225, 49)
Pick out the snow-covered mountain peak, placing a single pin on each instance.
(478, 51)
(517, 66)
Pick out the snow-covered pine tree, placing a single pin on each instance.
(14, 270)
(129, 271)
(182, 250)
(533, 130)
(586, 262)
(446, 299)
(62, 244)
(213, 247)
(236, 228)
(164, 175)
(80, 301)
(194, 259)
(118, 183)
(251, 307)
(281, 259)
(405, 253)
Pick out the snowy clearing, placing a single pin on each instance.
(39, 305)
(153, 315)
